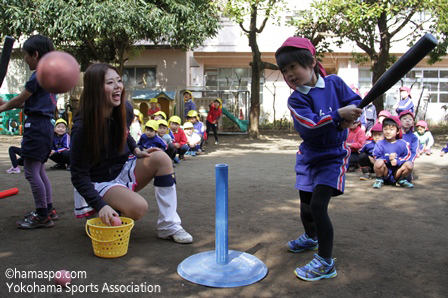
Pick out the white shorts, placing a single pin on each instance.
(126, 178)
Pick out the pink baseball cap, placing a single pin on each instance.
(406, 112)
(384, 113)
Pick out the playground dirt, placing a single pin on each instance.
(390, 242)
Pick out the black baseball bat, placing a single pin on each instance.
(4, 59)
(410, 59)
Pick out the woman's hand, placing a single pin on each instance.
(145, 153)
(106, 213)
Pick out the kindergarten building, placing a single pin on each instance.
(220, 68)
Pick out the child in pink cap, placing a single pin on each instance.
(425, 138)
(405, 103)
(319, 105)
(392, 156)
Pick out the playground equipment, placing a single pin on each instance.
(242, 124)
(10, 121)
(236, 105)
(222, 268)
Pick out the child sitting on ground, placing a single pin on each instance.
(444, 150)
(392, 156)
(180, 139)
(160, 115)
(194, 140)
(355, 140)
(199, 128)
(167, 136)
(60, 153)
(407, 119)
(425, 138)
(150, 139)
(13, 151)
(366, 159)
(136, 127)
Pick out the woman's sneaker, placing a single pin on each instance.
(13, 170)
(302, 243)
(180, 236)
(34, 221)
(316, 270)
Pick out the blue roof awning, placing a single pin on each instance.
(148, 94)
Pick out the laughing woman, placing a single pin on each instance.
(106, 180)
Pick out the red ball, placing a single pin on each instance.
(57, 72)
(62, 278)
(115, 221)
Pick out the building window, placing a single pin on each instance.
(235, 78)
(435, 82)
(144, 77)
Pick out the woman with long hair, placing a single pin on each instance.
(105, 178)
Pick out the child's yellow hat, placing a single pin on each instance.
(220, 102)
(193, 114)
(153, 100)
(162, 122)
(188, 125)
(189, 92)
(60, 120)
(152, 124)
(161, 114)
(175, 119)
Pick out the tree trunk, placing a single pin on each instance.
(254, 113)
(380, 60)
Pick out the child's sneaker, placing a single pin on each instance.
(316, 270)
(176, 160)
(13, 170)
(193, 153)
(33, 221)
(378, 183)
(405, 183)
(216, 143)
(53, 215)
(302, 243)
(365, 176)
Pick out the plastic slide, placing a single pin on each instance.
(242, 124)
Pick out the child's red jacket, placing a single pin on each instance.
(357, 139)
(180, 137)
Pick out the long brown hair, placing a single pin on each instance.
(93, 110)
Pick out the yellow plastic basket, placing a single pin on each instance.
(109, 241)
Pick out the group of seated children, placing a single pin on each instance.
(60, 151)
(169, 136)
(389, 153)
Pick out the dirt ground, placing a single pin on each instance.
(390, 242)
